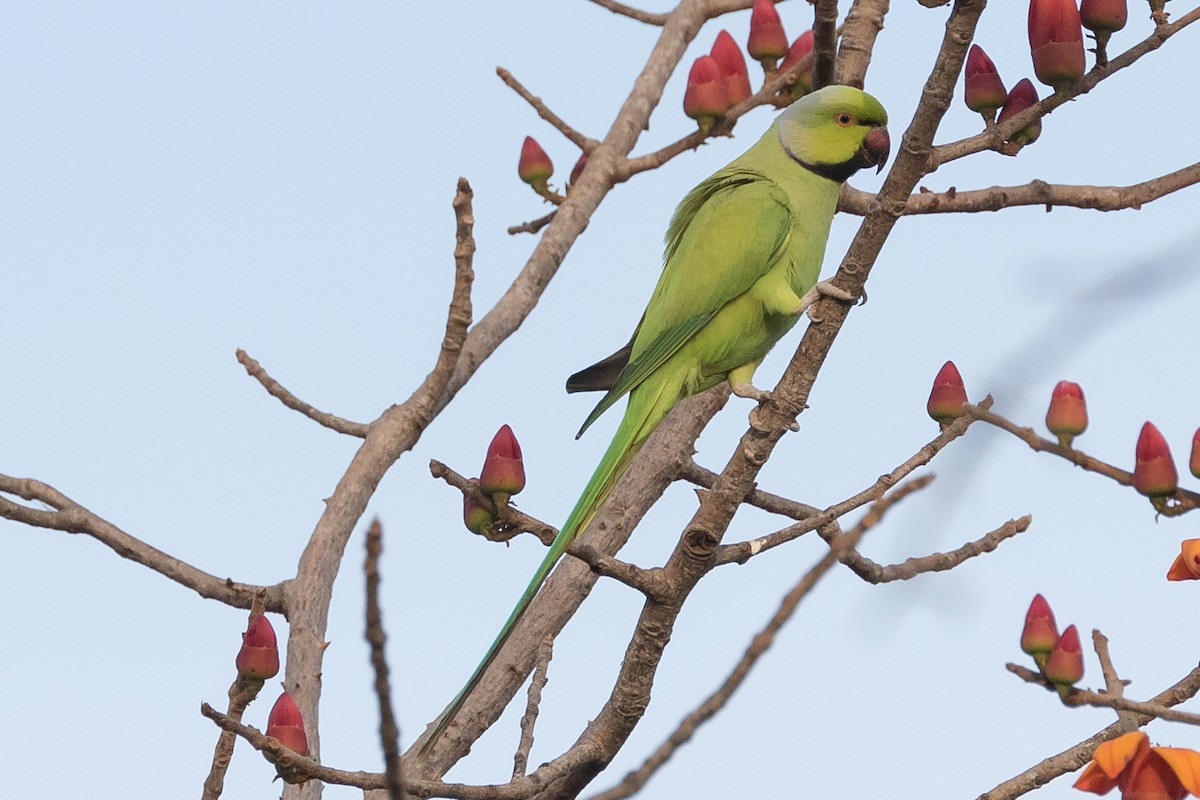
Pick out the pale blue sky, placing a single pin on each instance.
(177, 181)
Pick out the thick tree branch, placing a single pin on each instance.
(825, 20)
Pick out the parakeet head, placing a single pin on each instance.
(835, 132)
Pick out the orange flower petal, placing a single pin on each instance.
(1113, 756)
(1093, 780)
(1185, 764)
(1179, 570)
(1150, 777)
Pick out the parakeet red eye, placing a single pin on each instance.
(846, 120)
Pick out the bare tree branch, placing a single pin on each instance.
(584, 143)
(389, 735)
(532, 704)
(1083, 697)
(70, 517)
(825, 19)
(1034, 193)
(633, 13)
(279, 392)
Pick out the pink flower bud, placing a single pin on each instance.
(1040, 631)
(983, 89)
(535, 167)
(285, 724)
(1106, 16)
(1186, 566)
(705, 99)
(1064, 665)
(733, 68)
(503, 469)
(1067, 415)
(1021, 97)
(476, 516)
(1154, 472)
(1056, 41)
(802, 47)
(259, 657)
(768, 43)
(948, 395)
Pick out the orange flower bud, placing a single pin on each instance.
(1064, 665)
(1040, 632)
(1154, 472)
(503, 472)
(733, 68)
(1186, 566)
(1056, 41)
(535, 167)
(705, 99)
(984, 92)
(1194, 461)
(1021, 97)
(259, 657)
(287, 725)
(948, 395)
(1067, 415)
(768, 43)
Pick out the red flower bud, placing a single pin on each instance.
(1064, 665)
(983, 89)
(768, 43)
(1040, 631)
(1154, 472)
(1103, 15)
(577, 170)
(503, 469)
(1067, 415)
(1056, 41)
(705, 99)
(948, 395)
(1021, 97)
(1194, 461)
(476, 517)
(286, 725)
(733, 68)
(801, 48)
(535, 167)
(259, 657)
(1186, 566)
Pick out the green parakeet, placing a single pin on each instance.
(743, 253)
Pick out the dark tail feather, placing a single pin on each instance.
(601, 376)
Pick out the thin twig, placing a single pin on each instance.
(68, 516)
(584, 143)
(389, 735)
(533, 226)
(647, 581)
(280, 392)
(773, 503)
(1085, 697)
(633, 13)
(532, 704)
(1113, 685)
(741, 552)
(1172, 506)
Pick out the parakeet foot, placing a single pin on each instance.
(749, 391)
(819, 290)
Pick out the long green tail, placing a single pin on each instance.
(632, 432)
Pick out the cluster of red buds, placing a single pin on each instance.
(502, 476)
(720, 80)
(1059, 657)
(257, 661)
(1056, 45)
